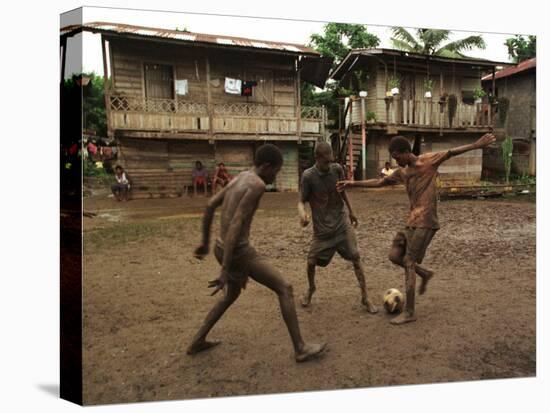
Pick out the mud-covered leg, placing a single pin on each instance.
(268, 276)
(199, 342)
(360, 275)
(397, 254)
(408, 314)
(306, 299)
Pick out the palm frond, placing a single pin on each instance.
(468, 43)
(402, 45)
(400, 33)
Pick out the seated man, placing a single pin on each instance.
(386, 171)
(200, 177)
(122, 186)
(221, 177)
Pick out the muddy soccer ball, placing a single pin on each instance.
(393, 301)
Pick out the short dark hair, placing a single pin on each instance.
(322, 147)
(118, 167)
(221, 163)
(399, 144)
(268, 153)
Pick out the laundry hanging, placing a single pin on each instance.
(233, 86)
(182, 87)
(247, 87)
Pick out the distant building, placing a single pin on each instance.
(447, 116)
(174, 97)
(517, 84)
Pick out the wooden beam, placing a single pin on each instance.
(106, 89)
(209, 99)
(63, 58)
(299, 104)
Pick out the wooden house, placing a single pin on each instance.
(175, 97)
(448, 115)
(517, 86)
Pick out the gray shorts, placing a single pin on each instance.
(323, 249)
(414, 241)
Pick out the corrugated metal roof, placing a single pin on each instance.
(185, 36)
(355, 54)
(509, 71)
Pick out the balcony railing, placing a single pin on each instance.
(129, 112)
(422, 113)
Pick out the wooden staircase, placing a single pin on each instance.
(148, 184)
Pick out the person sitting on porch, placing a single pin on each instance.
(221, 177)
(122, 186)
(200, 177)
(386, 170)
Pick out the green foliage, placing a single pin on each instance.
(339, 38)
(336, 41)
(89, 169)
(370, 116)
(93, 102)
(524, 179)
(394, 81)
(479, 93)
(429, 41)
(521, 48)
(428, 84)
(507, 149)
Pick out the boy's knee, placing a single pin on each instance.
(396, 257)
(286, 289)
(311, 262)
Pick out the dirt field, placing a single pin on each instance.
(145, 296)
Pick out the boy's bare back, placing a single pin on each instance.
(247, 188)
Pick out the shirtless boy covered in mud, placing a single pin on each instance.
(409, 246)
(239, 260)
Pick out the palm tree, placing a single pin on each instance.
(429, 41)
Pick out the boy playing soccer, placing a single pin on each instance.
(239, 260)
(331, 231)
(418, 173)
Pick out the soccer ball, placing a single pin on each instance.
(393, 301)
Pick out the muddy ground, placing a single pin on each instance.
(145, 296)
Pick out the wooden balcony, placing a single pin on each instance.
(421, 114)
(176, 116)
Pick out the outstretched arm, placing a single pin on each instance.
(370, 183)
(213, 204)
(482, 142)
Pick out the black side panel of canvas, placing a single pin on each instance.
(71, 237)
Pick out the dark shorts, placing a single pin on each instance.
(243, 258)
(322, 249)
(415, 241)
(119, 187)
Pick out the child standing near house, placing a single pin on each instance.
(418, 173)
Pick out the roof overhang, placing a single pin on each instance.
(356, 56)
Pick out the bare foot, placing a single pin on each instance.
(371, 308)
(306, 299)
(201, 346)
(310, 351)
(403, 318)
(424, 282)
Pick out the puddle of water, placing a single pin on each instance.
(109, 217)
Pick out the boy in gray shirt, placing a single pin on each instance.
(331, 230)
